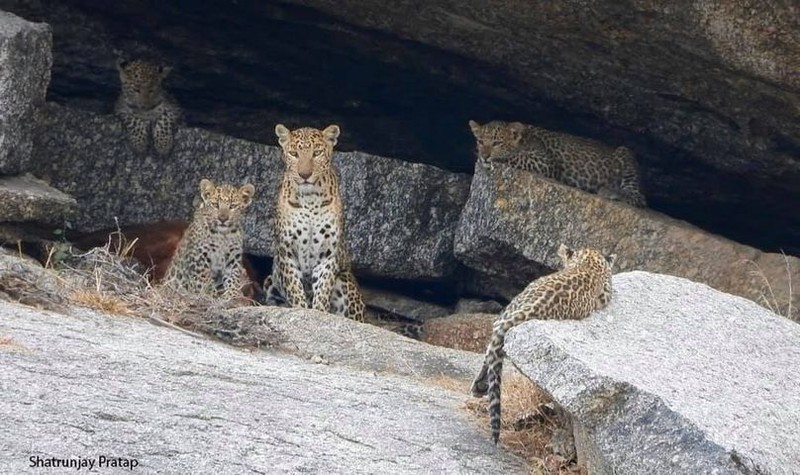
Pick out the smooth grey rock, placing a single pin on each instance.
(25, 61)
(401, 305)
(514, 221)
(478, 306)
(400, 217)
(337, 340)
(674, 377)
(84, 384)
(24, 199)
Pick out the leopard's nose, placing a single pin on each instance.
(304, 174)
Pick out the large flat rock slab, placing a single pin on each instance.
(25, 61)
(514, 221)
(84, 385)
(674, 377)
(26, 199)
(400, 217)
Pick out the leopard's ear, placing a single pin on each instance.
(207, 188)
(247, 191)
(516, 128)
(475, 127)
(121, 65)
(565, 253)
(164, 71)
(331, 134)
(283, 134)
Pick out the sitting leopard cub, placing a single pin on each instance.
(575, 161)
(311, 266)
(208, 259)
(581, 287)
(145, 108)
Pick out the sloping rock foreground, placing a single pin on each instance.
(84, 385)
(514, 221)
(332, 339)
(401, 217)
(673, 377)
(25, 61)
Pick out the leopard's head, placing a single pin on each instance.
(587, 257)
(222, 206)
(141, 82)
(496, 140)
(307, 152)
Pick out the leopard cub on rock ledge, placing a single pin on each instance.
(145, 108)
(573, 293)
(311, 268)
(575, 161)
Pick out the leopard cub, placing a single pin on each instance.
(145, 108)
(580, 288)
(208, 259)
(583, 163)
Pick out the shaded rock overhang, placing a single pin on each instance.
(706, 93)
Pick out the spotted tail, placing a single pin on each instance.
(495, 411)
(488, 381)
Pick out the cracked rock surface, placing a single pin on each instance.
(25, 61)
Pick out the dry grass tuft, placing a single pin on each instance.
(109, 280)
(528, 426)
(768, 297)
(100, 301)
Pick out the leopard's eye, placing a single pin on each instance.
(317, 153)
(293, 154)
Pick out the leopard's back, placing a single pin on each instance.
(581, 287)
(575, 161)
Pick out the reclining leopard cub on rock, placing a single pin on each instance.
(575, 161)
(582, 286)
(311, 268)
(147, 111)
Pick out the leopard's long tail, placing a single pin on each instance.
(495, 411)
(488, 381)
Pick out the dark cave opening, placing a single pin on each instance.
(241, 67)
